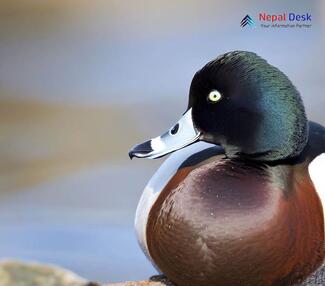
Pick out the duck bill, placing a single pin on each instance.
(182, 134)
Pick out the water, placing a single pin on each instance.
(83, 221)
(98, 252)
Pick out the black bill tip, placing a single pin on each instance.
(141, 150)
(131, 155)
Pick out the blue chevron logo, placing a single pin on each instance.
(247, 20)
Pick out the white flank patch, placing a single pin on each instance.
(317, 175)
(156, 184)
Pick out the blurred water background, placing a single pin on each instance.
(83, 81)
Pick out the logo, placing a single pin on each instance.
(284, 17)
(247, 20)
(281, 20)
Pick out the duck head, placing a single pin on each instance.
(244, 104)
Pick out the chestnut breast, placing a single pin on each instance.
(232, 222)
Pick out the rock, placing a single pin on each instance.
(139, 283)
(16, 273)
(317, 278)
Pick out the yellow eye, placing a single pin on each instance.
(214, 96)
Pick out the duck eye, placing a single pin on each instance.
(214, 96)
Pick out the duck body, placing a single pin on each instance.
(214, 215)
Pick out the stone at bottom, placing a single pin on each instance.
(16, 273)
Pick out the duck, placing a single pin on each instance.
(240, 199)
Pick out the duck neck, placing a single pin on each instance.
(270, 149)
